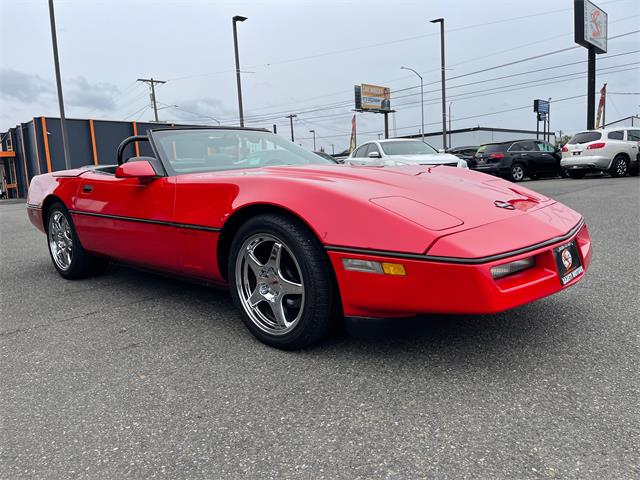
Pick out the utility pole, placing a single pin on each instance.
(291, 117)
(443, 81)
(56, 62)
(314, 139)
(152, 84)
(238, 18)
(333, 149)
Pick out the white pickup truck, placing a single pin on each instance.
(612, 150)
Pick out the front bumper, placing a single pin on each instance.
(459, 288)
(588, 162)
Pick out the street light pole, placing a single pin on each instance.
(421, 96)
(236, 19)
(56, 62)
(442, 67)
(314, 139)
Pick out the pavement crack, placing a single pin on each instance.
(8, 333)
(70, 319)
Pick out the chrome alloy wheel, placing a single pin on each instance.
(269, 284)
(60, 240)
(517, 172)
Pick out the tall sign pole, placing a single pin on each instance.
(590, 31)
(56, 61)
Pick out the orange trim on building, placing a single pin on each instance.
(8, 154)
(93, 142)
(135, 132)
(35, 137)
(46, 143)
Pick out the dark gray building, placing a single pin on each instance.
(35, 147)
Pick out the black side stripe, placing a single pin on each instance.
(459, 260)
(146, 220)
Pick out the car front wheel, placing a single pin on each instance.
(282, 282)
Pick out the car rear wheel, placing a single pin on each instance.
(516, 173)
(619, 167)
(68, 257)
(577, 174)
(282, 282)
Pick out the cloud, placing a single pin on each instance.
(201, 109)
(21, 86)
(78, 92)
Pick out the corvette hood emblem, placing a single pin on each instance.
(506, 205)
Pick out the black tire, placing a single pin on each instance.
(577, 174)
(308, 262)
(517, 172)
(563, 173)
(82, 264)
(619, 167)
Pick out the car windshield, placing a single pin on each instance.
(210, 150)
(584, 137)
(407, 148)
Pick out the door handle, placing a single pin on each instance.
(87, 189)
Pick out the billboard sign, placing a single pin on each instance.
(541, 106)
(590, 26)
(373, 98)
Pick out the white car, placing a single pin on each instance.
(393, 152)
(612, 150)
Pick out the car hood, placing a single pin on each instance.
(453, 196)
(399, 160)
(403, 209)
(426, 159)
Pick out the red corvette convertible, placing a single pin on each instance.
(301, 240)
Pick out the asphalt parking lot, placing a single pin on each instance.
(132, 375)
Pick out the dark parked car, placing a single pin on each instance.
(465, 153)
(517, 159)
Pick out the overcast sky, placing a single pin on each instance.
(307, 55)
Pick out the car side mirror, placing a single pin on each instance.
(137, 167)
(374, 155)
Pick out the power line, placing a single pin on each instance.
(391, 42)
(264, 117)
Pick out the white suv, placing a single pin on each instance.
(612, 150)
